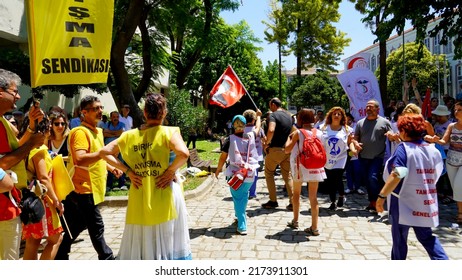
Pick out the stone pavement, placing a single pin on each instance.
(349, 233)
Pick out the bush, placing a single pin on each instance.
(183, 114)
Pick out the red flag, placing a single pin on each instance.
(227, 90)
(426, 106)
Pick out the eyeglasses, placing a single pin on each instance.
(16, 92)
(96, 108)
(59, 124)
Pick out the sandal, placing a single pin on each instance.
(312, 232)
(293, 224)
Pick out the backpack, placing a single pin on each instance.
(313, 154)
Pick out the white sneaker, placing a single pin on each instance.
(116, 189)
(347, 191)
(124, 188)
(360, 191)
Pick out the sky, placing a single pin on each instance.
(255, 11)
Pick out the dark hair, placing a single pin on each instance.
(305, 116)
(349, 115)
(398, 113)
(42, 126)
(56, 115)
(276, 102)
(156, 106)
(413, 125)
(88, 100)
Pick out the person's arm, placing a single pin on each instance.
(221, 163)
(35, 115)
(442, 141)
(109, 153)
(11, 159)
(79, 146)
(391, 184)
(178, 146)
(42, 175)
(406, 93)
(6, 184)
(291, 141)
(416, 92)
(269, 135)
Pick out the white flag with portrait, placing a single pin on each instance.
(360, 85)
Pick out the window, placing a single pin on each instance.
(447, 49)
(436, 44)
(373, 63)
(427, 43)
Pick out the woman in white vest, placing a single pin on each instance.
(240, 150)
(410, 178)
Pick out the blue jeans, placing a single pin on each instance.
(353, 174)
(240, 199)
(400, 233)
(372, 169)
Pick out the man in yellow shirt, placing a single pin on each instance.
(89, 178)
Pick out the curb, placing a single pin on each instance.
(121, 201)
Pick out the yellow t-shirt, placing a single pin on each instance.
(92, 178)
(147, 153)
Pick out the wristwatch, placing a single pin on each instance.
(381, 196)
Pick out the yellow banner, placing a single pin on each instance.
(69, 41)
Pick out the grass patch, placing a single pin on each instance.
(205, 150)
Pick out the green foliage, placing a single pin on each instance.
(393, 14)
(317, 89)
(182, 114)
(305, 26)
(420, 66)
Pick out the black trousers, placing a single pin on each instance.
(81, 213)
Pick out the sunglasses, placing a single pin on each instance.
(59, 124)
(94, 109)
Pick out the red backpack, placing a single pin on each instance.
(313, 154)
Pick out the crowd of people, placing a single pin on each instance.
(383, 157)
(95, 152)
(388, 157)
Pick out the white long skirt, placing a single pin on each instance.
(166, 241)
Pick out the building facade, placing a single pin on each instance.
(453, 82)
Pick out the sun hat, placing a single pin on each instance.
(441, 110)
(240, 117)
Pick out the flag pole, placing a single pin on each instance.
(256, 107)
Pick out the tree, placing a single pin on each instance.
(182, 114)
(312, 37)
(319, 88)
(188, 24)
(420, 66)
(420, 13)
(378, 14)
(273, 34)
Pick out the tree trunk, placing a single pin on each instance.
(122, 38)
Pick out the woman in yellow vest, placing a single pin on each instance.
(39, 167)
(156, 225)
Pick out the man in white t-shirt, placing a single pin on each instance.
(125, 118)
